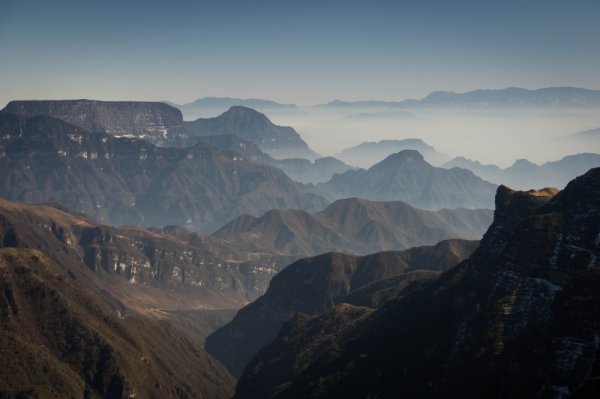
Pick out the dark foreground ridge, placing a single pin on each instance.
(519, 318)
(313, 285)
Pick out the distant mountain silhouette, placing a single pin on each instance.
(510, 97)
(228, 102)
(358, 104)
(313, 285)
(589, 133)
(356, 226)
(518, 318)
(301, 170)
(210, 106)
(60, 339)
(278, 141)
(130, 181)
(405, 176)
(397, 114)
(369, 153)
(523, 174)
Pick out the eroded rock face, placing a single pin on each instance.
(155, 122)
(519, 318)
(145, 269)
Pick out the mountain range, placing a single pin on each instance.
(130, 181)
(369, 153)
(518, 318)
(406, 176)
(510, 97)
(356, 226)
(163, 125)
(524, 174)
(313, 285)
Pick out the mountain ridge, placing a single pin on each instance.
(49, 160)
(354, 225)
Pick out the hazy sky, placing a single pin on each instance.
(302, 52)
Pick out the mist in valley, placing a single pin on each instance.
(498, 136)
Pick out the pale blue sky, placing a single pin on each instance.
(302, 52)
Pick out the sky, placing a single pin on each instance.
(303, 52)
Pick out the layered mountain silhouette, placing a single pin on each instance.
(278, 141)
(511, 97)
(523, 174)
(155, 122)
(130, 181)
(301, 170)
(369, 153)
(356, 226)
(59, 339)
(313, 285)
(519, 318)
(406, 176)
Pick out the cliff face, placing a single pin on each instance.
(144, 269)
(155, 122)
(519, 318)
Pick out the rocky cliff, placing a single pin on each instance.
(155, 122)
(519, 318)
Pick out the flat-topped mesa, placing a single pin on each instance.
(155, 122)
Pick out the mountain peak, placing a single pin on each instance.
(404, 157)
